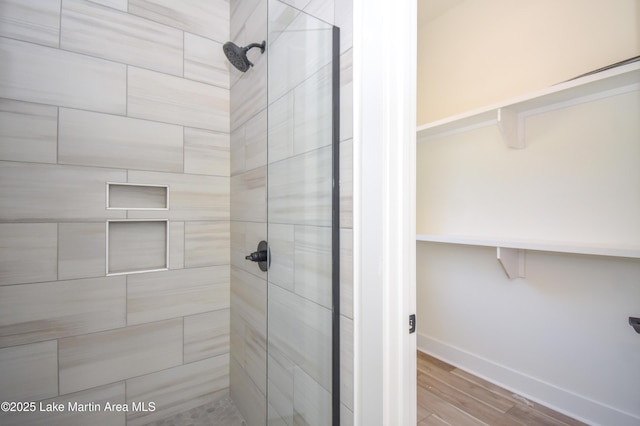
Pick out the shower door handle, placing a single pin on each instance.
(262, 255)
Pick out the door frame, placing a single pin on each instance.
(384, 82)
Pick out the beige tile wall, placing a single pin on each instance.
(138, 91)
(121, 91)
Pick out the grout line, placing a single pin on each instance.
(58, 362)
(57, 251)
(60, 27)
(126, 91)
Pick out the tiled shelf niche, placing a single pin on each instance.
(136, 246)
(132, 196)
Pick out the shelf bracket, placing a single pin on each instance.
(511, 126)
(512, 261)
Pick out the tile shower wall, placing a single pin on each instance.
(126, 91)
(249, 127)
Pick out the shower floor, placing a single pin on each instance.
(222, 412)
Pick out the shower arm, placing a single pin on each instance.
(252, 45)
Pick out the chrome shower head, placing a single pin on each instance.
(238, 55)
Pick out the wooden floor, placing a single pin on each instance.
(449, 396)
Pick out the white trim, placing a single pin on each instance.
(549, 395)
(384, 82)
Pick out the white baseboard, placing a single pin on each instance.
(561, 400)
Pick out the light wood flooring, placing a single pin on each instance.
(450, 396)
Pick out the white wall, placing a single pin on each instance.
(482, 52)
(559, 336)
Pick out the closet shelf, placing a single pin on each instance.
(537, 245)
(510, 115)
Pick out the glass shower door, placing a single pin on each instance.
(303, 228)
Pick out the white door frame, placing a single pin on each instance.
(384, 81)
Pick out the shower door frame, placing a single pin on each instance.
(335, 228)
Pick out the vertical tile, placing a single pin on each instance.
(42, 192)
(205, 61)
(280, 387)
(237, 162)
(249, 144)
(206, 153)
(29, 372)
(82, 250)
(28, 132)
(292, 58)
(51, 76)
(313, 112)
(256, 25)
(274, 418)
(206, 244)
(312, 260)
(346, 184)
(255, 149)
(251, 402)
(192, 197)
(241, 11)
(344, 20)
(45, 311)
(248, 196)
(281, 126)
(250, 91)
(249, 300)
(346, 362)
(209, 19)
(346, 272)
(249, 326)
(108, 33)
(75, 416)
(283, 255)
(346, 95)
(346, 416)
(103, 140)
(206, 335)
(312, 405)
(161, 97)
(176, 245)
(301, 331)
(171, 294)
(300, 189)
(28, 252)
(177, 389)
(37, 22)
(96, 359)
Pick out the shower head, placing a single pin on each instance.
(238, 55)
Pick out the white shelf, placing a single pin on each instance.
(510, 115)
(559, 247)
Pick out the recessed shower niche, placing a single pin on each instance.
(131, 196)
(135, 246)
